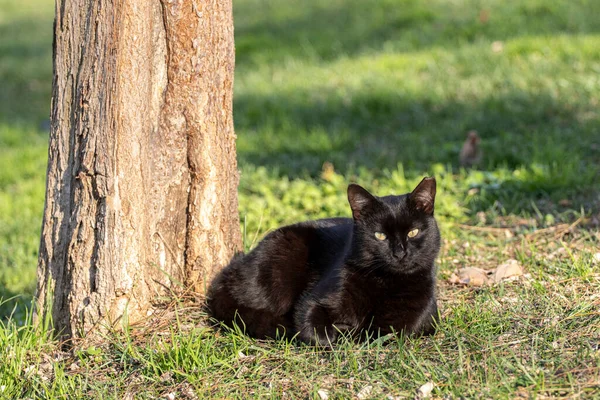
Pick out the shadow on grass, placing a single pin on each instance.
(381, 130)
(272, 31)
(557, 151)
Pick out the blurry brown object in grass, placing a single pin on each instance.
(471, 154)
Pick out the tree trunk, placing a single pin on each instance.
(142, 175)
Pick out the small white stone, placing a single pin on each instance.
(323, 394)
(425, 390)
(365, 392)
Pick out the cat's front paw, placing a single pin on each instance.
(323, 336)
(318, 327)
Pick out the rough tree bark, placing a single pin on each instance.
(142, 176)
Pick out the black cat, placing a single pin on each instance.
(373, 273)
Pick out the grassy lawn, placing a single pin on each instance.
(380, 93)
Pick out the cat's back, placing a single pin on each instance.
(305, 242)
(278, 270)
(330, 243)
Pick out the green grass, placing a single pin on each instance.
(384, 91)
(25, 84)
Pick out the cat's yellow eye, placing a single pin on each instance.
(413, 233)
(380, 236)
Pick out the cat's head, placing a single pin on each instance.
(395, 232)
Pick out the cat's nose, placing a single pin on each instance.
(399, 254)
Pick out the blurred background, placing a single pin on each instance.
(377, 92)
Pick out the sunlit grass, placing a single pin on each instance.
(380, 93)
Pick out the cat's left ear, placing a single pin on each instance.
(423, 197)
(360, 200)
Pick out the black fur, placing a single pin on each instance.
(318, 278)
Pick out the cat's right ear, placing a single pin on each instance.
(359, 200)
